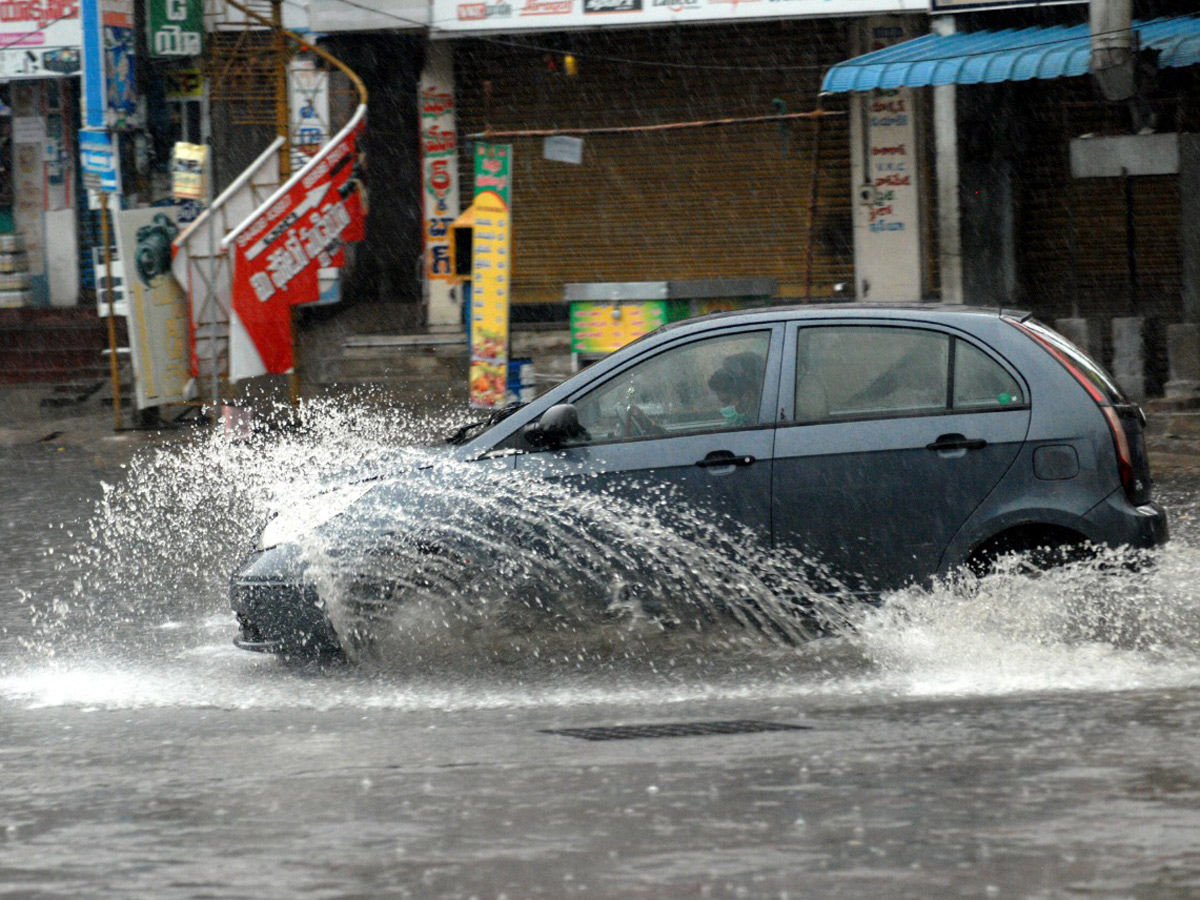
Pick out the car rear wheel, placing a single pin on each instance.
(1039, 547)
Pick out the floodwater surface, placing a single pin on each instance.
(1030, 735)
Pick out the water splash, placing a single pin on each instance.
(1122, 620)
(137, 612)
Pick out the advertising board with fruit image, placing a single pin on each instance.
(491, 265)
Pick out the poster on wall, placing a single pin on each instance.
(116, 17)
(156, 306)
(491, 265)
(279, 250)
(308, 109)
(28, 176)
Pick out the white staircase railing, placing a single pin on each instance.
(205, 270)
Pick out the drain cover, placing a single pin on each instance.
(673, 729)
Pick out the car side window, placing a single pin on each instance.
(851, 371)
(980, 382)
(708, 384)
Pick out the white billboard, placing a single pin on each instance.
(553, 15)
(40, 40)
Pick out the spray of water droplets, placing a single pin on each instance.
(486, 586)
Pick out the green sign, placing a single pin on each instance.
(493, 170)
(175, 27)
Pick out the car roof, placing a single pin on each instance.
(930, 311)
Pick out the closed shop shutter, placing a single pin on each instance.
(1072, 233)
(695, 203)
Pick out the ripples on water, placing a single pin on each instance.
(135, 612)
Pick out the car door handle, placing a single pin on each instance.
(956, 442)
(719, 458)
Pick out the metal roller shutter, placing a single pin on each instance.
(722, 201)
(1072, 232)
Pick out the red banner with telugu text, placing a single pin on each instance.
(305, 227)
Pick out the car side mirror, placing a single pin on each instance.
(556, 426)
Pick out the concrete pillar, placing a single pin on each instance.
(1189, 224)
(440, 198)
(945, 133)
(1083, 333)
(888, 178)
(1183, 355)
(1129, 363)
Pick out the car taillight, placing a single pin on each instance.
(1129, 479)
(1125, 468)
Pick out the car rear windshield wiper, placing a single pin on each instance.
(468, 431)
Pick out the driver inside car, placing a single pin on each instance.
(738, 384)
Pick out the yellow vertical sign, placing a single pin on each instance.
(491, 272)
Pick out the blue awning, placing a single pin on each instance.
(983, 57)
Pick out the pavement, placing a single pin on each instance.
(87, 428)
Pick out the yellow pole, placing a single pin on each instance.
(283, 128)
(282, 123)
(113, 367)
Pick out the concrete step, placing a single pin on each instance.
(397, 367)
(437, 364)
(1184, 425)
(44, 346)
(1172, 404)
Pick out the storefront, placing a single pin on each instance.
(1067, 204)
(39, 77)
(688, 162)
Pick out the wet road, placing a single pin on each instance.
(1038, 739)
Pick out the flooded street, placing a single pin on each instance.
(1031, 737)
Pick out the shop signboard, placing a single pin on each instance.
(40, 40)
(491, 268)
(599, 327)
(189, 170)
(184, 84)
(279, 250)
(175, 27)
(99, 161)
(943, 6)
(554, 15)
(157, 307)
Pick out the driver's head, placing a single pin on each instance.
(739, 377)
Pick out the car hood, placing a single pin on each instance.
(411, 491)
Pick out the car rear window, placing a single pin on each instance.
(846, 372)
(1087, 367)
(980, 382)
(857, 371)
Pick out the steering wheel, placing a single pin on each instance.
(638, 424)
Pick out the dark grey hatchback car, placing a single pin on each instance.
(891, 443)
